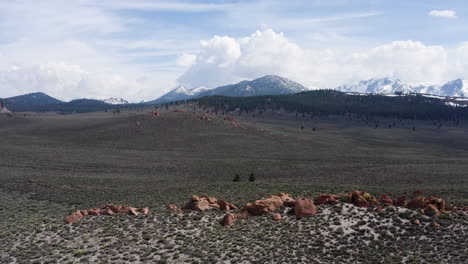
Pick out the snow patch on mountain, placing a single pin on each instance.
(115, 101)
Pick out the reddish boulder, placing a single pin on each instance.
(417, 203)
(327, 199)
(144, 211)
(228, 220)
(225, 206)
(417, 222)
(401, 201)
(304, 207)
(277, 217)
(432, 210)
(75, 216)
(264, 206)
(287, 199)
(438, 202)
(386, 200)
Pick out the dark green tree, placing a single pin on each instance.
(252, 177)
(236, 178)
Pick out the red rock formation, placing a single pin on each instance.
(304, 207)
(264, 206)
(287, 199)
(108, 209)
(327, 199)
(207, 203)
(75, 216)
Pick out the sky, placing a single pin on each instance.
(140, 49)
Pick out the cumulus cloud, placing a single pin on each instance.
(67, 82)
(443, 13)
(223, 60)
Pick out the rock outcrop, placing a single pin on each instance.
(108, 209)
(362, 199)
(205, 202)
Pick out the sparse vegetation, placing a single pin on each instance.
(52, 165)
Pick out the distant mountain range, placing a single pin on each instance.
(455, 88)
(267, 85)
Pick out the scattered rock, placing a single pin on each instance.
(417, 222)
(277, 217)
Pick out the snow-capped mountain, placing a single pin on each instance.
(180, 93)
(378, 86)
(456, 88)
(114, 101)
(267, 85)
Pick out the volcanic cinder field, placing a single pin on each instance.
(52, 165)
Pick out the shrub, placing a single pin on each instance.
(252, 177)
(236, 178)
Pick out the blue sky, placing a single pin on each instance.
(141, 49)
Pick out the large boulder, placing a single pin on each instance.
(304, 207)
(287, 199)
(264, 206)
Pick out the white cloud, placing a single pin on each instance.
(224, 60)
(443, 13)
